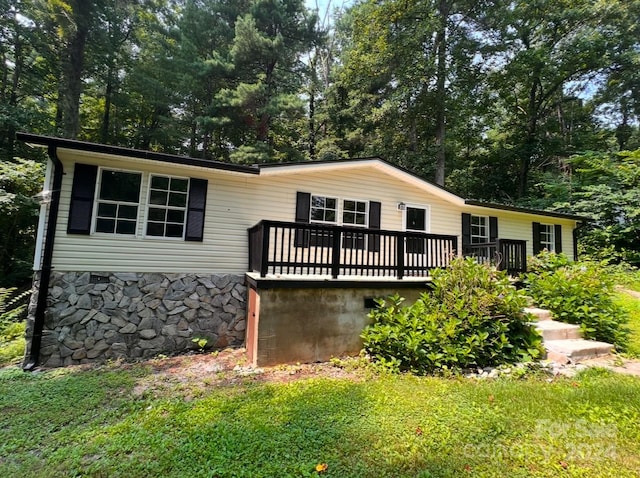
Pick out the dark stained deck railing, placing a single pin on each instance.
(505, 254)
(292, 248)
(314, 249)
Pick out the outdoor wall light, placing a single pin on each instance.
(43, 197)
(401, 206)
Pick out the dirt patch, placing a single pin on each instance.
(192, 374)
(632, 293)
(615, 363)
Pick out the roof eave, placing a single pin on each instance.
(40, 140)
(536, 212)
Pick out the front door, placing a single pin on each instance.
(416, 219)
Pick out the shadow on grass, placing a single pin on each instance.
(65, 423)
(91, 424)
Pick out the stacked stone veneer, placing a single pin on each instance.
(99, 316)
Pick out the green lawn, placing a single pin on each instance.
(632, 305)
(108, 423)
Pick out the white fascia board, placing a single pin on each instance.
(381, 166)
(105, 159)
(542, 218)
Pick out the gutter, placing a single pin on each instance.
(47, 256)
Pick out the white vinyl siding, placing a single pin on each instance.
(237, 201)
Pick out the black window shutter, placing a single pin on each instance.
(493, 229)
(303, 209)
(82, 194)
(466, 231)
(558, 238)
(196, 210)
(536, 237)
(374, 223)
(575, 244)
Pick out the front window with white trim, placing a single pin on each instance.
(324, 209)
(117, 202)
(548, 237)
(479, 229)
(354, 213)
(167, 209)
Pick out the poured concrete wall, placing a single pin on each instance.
(308, 324)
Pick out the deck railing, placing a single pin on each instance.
(313, 249)
(505, 254)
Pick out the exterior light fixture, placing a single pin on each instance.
(401, 206)
(43, 197)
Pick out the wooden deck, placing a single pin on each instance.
(289, 249)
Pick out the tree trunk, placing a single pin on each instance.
(13, 95)
(264, 122)
(440, 105)
(104, 130)
(530, 144)
(72, 68)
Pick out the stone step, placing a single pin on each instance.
(575, 350)
(554, 330)
(539, 314)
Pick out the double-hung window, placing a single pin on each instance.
(324, 210)
(112, 201)
(355, 214)
(167, 209)
(117, 202)
(547, 237)
(479, 229)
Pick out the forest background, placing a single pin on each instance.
(527, 102)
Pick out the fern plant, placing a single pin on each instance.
(13, 308)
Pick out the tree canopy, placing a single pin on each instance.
(492, 99)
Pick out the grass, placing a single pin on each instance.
(632, 306)
(99, 423)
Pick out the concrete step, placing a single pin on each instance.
(539, 314)
(554, 330)
(575, 350)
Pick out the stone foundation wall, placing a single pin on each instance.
(98, 316)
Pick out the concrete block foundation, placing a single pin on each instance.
(292, 321)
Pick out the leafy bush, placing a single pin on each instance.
(578, 293)
(473, 318)
(20, 180)
(12, 325)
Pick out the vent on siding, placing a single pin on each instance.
(96, 279)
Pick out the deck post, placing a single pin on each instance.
(264, 263)
(400, 240)
(335, 252)
(502, 260)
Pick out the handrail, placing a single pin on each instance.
(282, 247)
(290, 247)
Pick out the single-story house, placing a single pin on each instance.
(139, 253)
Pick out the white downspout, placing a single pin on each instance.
(45, 197)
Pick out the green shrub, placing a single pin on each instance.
(473, 318)
(12, 326)
(578, 293)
